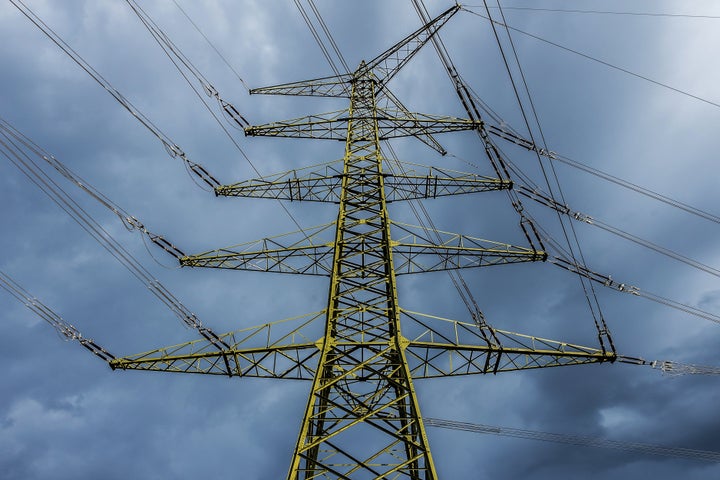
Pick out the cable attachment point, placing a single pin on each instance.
(133, 223)
(210, 91)
(173, 150)
(232, 113)
(546, 153)
(96, 349)
(200, 172)
(581, 217)
(165, 245)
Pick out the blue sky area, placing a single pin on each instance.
(64, 414)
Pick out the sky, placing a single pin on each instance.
(65, 414)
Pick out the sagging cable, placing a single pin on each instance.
(675, 368)
(65, 329)
(129, 221)
(672, 368)
(170, 146)
(572, 439)
(11, 148)
(180, 60)
(507, 134)
(544, 199)
(608, 281)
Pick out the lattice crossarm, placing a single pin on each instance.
(420, 258)
(417, 249)
(307, 251)
(319, 188)
(388, 63)
(282, 349)
(318, 183)
(335, 86)
(306, 260)
(396, 123)
(290, 362)
(412, 187)
(437, 359)
(312, 189)
(438, 347)
(390, 124)
(321, 126)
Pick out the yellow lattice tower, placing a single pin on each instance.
(362, 419)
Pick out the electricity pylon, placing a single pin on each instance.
(362, 418)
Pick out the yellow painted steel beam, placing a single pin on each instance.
(334, 86)
(432, 359)
(362, 418)
(317, 259)
(282, 349)
(391, 124)
(416, 252)
(384, 66)
(326, 188)
(362, 389)
(291, 350)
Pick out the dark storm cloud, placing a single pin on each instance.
(64, 415)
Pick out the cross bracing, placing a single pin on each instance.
(322, 183)
(463, 349)
(435, 347)
(362, 418)
(414, 250)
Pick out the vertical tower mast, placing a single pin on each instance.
(362, 418)
(362, 380)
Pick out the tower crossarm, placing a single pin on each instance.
(284, 349)
(434, 359)
(334, 86)
(305, 260)
(442, 347)
(390, 124)
(325, 185)
(301, 252)
(415, 252)
(288, 361)
(389, 62)
(385, 66)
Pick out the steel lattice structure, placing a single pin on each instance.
(363, 352)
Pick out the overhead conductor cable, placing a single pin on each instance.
(11, 146)
(171, 147)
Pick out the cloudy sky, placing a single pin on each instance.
(65, 414)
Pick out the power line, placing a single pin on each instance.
(329, 36)
(509, 134)
(603, 12)
(11, 147)
(62, 327)
(178, 59)
(212, 45)
(318, 39)
(583, 440)
(171, 147)
(545, 200)
(532, 191)
(602, 62)
(636, 188)
(587, 287)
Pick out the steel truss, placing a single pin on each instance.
(362, 418)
